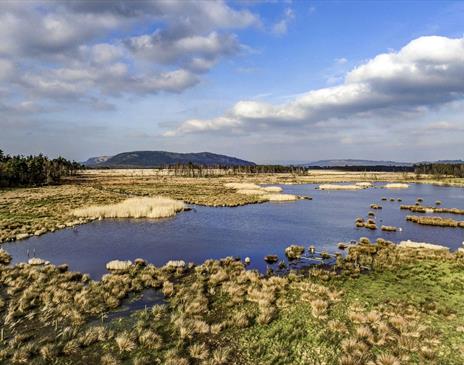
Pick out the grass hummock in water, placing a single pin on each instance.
(157, 207)
(396, 186)
(268, 193)
(435, 221)
(424, 209)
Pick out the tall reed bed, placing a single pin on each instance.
(267, 193)
(156, 207)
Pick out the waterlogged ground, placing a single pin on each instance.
(252, 230)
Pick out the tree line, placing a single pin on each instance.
(34, 170)
(441, 169)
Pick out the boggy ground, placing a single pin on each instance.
(39, 210)
(381, 305)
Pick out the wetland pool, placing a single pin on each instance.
(251, 231)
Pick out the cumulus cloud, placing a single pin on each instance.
(90, 50)
(427, 72)
(198, 52)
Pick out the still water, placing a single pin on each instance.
(253, 230)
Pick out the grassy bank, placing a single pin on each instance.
(381, 305)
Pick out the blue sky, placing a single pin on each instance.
(266, 81)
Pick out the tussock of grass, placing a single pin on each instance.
(272, 189)
(117, 265)
(294, 252)
(364, 184)
(423, 209)
(435, 221)
(244, 186)
(429, 246)
(157, 207)
(268, 193)
(281, 197)
(396, 186)
(340, 187)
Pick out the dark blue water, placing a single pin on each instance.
(252, 230)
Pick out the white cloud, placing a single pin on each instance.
(200, 52)
(281, 26)
(428, 71)
(90, 50)
(341, 61)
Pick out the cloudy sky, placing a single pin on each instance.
(261, 80)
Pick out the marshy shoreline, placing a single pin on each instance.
(377, 303)
(211, 311)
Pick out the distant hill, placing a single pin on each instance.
(161, 158)
(352, 162)
(96, 160)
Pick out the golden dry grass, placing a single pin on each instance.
(272, 189)
(251, 192)
(418, 245)
(396, 186)
(280, 197)
(156, 207)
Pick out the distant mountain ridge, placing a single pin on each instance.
(162, 158)
(354, 162)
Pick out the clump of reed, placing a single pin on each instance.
(370, 223)
(428, 246)
(294, 252)
(118, 265)
(239, 186)
(376, 206)
(435, 221)
(272, 189)
(389, 228)
(268, 193)
(423, 209)
(281, 197)
(396, 186)
(5, 257)
(156, 207)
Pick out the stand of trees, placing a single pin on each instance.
(34, 170)
(441, 169)
(198, 170)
